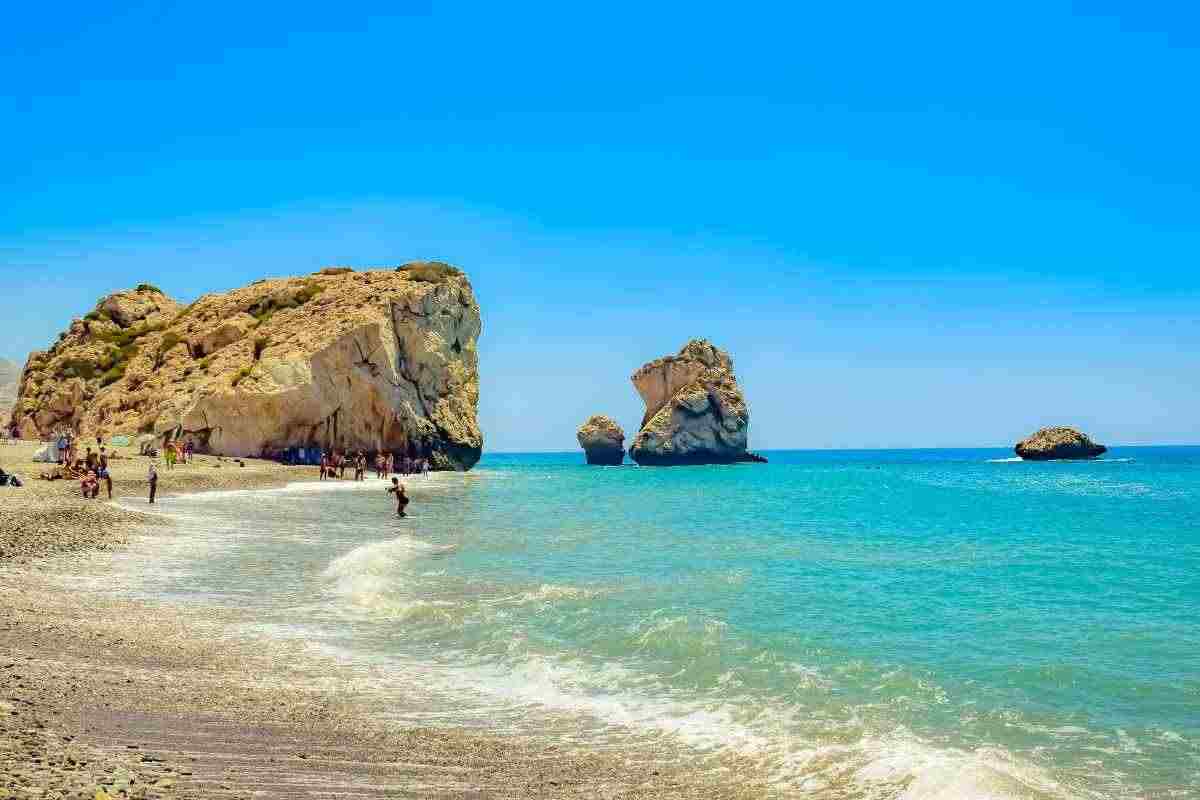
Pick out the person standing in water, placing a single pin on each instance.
(153, 477)
(397, 488)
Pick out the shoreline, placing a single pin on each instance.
(47, 517)
(141, 699)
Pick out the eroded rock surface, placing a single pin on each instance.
(10, 376)
(695, 411)
(602, 440)
(372, 360)
(1058, 442)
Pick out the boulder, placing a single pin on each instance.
(1058, 443)
(695, 411)
(130, 307)
(147, 444)
(602, 440)
(378, 360)
(223, 334)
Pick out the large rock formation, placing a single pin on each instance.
(695, 412)
(373, 360)
(602, 440)
(10, 376)
(1056, 443)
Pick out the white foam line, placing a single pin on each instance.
(412, 484)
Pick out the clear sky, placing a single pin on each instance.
(911, 225)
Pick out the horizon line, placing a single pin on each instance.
(842, 449)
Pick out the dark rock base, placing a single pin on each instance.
(449, 457)
(646, 459)
(605, 458)
(1062, 453)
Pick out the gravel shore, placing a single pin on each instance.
(103, 697)
(44, 517)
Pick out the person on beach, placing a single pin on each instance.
(169, 455)
(88, 485)
(153, 478)
(189, 450)
(391, 465)
(103, 473)
(397, 488)
(324, 464)
(90, 459)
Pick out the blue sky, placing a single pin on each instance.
(912, 226)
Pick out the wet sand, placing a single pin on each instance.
(138, 699)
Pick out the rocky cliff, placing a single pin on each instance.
(695, 411)
(1057, 443)
(10, 376)
(602, 440)
(372, 360)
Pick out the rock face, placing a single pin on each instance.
(695, 411)
(373, 360)
(10, 376)
(1056, 443)
(602, 440)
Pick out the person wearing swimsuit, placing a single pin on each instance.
(103, 473)
(397, 488)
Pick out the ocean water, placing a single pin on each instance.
(891, 624)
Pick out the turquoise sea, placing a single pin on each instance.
(908, 624)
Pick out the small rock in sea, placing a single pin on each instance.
(602, 440)
(1058, 442)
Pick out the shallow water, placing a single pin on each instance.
(918, 624)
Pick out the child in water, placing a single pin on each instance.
(401, 498)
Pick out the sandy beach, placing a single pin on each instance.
(105, 697)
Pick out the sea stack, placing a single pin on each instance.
(602, 440)
(695, 411)
(373, 360)
(1058, 443)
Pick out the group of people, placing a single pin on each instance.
(334, 465)
(90, 469)
(177, 452)
(66, 447)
